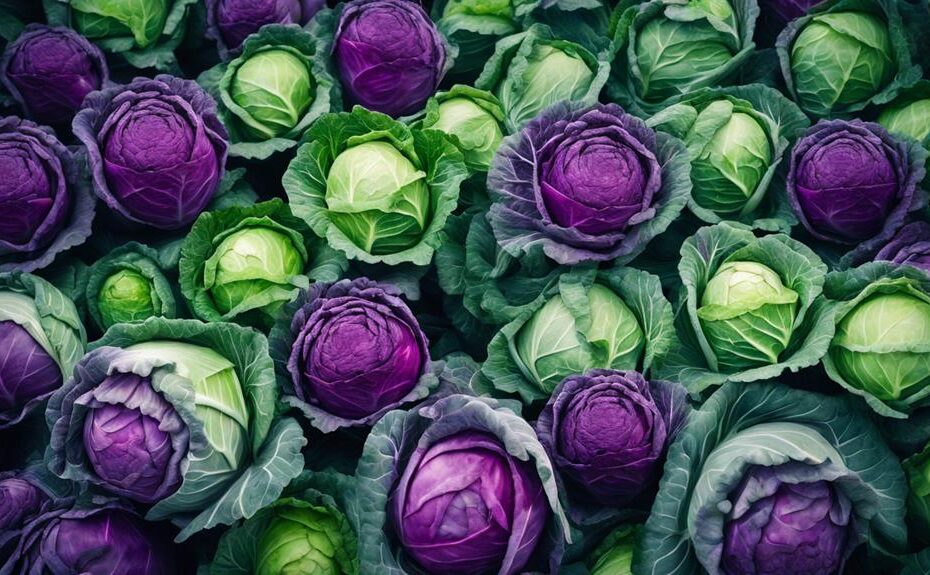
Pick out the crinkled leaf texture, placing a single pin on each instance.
(322, 262)
(781, 120)
(431, 150)
(626, 80)
(399, 433)
(517, 215)
(60, 331)
(694, 363)
(137, 258)
(906, 72)
(296, 41)
(808, 436)
(329, 495)
(849, 288)
(640, 291)
(209, 497)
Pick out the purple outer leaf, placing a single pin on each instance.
(519, 215)
(230, 22)
(49, 71)
(157, 149)
(910, 246)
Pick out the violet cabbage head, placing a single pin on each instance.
(230, 22)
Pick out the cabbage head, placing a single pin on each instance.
(474, 27)
(614, 555)
(909, 114)
(472, 118)
(770, 479)
(231, 22)
(612, 319)
(881, 349)
(176, 415)
(374, 188)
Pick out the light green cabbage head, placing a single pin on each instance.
(498, 8)
(378, 198)
(911, 120)
(300, 540)
(144, 20)
(275, 89)
(839, 59)
(881, 346)
(479, 133)
(551, 346)
(125, 296)
(747, 315)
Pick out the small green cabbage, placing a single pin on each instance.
(732, 165)
(551, 346)
(299, 540)
(378, 198)
(125, 296)
(275, 88)
(839, 59)
(499, 8)
(479, 133)
(747, 315)
(880, 346)
(144, 20)
(552, 73)
(249, 262)
(911, 120)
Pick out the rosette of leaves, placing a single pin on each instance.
(309, 530)
(881, 350)
(180, 417)
(845, 55)
(243, 264)
(608, 319)
(417, 465)
(43, 338)
(131, 283)
(533, 70)
(750, 308)
(737, 140)
(373, 188)
(143, 32)
(664, 49)
(766, 475)
(271, 92)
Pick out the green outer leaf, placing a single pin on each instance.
(322, 262)
(849, 287)
(694, 364)
(510, 59)
(237, 550)
(315, 51)
(918, 503)
(430, 150)
(768, 209)
(666, 547)
(615, 551)
(624, 72)
(393, 440)
(906, 74)
(140, 259)
(917, 564)
(69, 275)
(641, 291)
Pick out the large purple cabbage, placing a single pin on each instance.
(389, 54)
(50, 70)
(910, 246)
(27, 370)
(47, 207)
(778, 527)
(357, 350)
(232, 21)
(157, 149)
(607, 432)
(134, 439)
(106, 539)
(464, 505)
(852, 181)
(586, 184)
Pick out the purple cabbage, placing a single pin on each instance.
(232, 21)
(910, 246)
(607, 432)
(46, 206)
(27, 371)
(586, 184)
(389, 54)
(104, 540)
(357, 349)
(19, 500)
(134, 439)
(851, 181)
(157, 149)
(50, 70)
(465, 504)
(777, 527)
